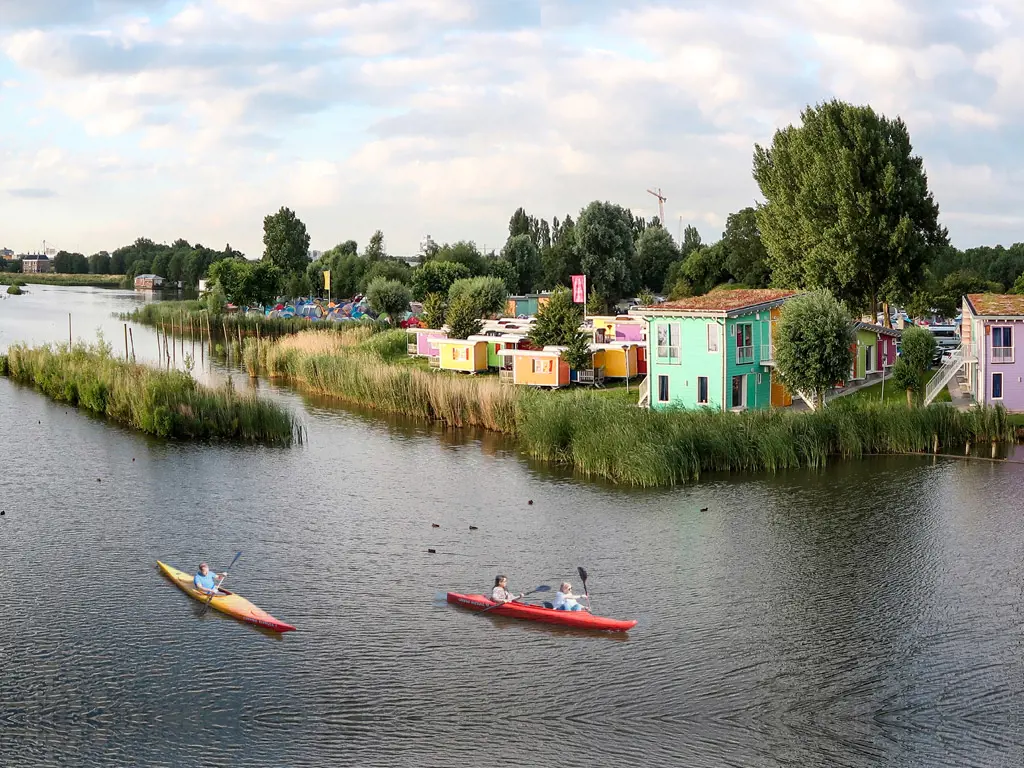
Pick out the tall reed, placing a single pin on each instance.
(164, 403)
(605, 438)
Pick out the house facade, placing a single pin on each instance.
(874, 351)
(991, 326)
(35, 263)
(714, 351)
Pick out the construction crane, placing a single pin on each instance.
(661, 204)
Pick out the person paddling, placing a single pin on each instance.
(206, 581)
(500, 593)
(565, 600)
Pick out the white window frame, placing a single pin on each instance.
(707, 390)
(1002, 384)
(1005, 354)
(750, 348)
(869, 359)
(673, 356)
(714, 345)
(743, 392)
(668, 390)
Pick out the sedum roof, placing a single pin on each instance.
(996, 304)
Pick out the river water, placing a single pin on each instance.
(867, 615)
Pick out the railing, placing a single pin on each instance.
(591, 376)
(767, 354)
(1002, 354)
(506, 376)
(744, 355)
(412, 348)
(645, 392)
(946, 372)
(435, 361)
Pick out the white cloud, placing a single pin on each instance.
(446, 115)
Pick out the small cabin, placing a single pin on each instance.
(422, 342)
(525, 306)
(621, 359)
(496, 343)
(461, 355)
(607, 329)
(534, 368)
(149, 282)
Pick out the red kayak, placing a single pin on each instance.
(575, 619)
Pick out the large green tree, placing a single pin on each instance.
(285, 241)
(522, 254)
(917, 346)
(436, 277)
(847, 205)
(388, 297)
(604, 237)
(655, 252)
(813, 339)
(558, 320)
(488, 294)
(246, 282)
(745, 255)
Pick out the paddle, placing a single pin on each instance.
(541, 588)
(209, 600)
(583, 577)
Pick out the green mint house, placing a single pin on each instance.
(714, 351)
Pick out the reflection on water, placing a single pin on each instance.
(866, 615)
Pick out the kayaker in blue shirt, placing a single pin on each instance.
(565, 600)
(207, 581)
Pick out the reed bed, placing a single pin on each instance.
(605, 438)
(53, 278)
(163, 403)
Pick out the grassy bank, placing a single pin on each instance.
(183, 317)
(608, 438)
(163, 403)
(50, 278)
(893, 394)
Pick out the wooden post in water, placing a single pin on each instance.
(132, 337)
(126, 342)
(69, 332)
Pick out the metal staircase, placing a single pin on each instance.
(645, 393)
(962, 354)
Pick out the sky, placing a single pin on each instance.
(166, 119)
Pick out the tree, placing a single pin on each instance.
(434, 307)
(505, 270)
(578, 355)
(160, 263)
(388, 297)
(487, 294)
(62, 262)
(813, 339)
(745, 255)
(99, 263)
(604, 236)
(463, 252)
(562, 259)
(246, 282)
(436, 277)
(655, 252)
(375, 249)
(558, 319)
(917, 348)
(285, 241)
(347, 248)
(298, 285)
(691, 241)
(698, 273)
(519, 224)
(463, 317)
(388, 268)
(521, 252)
(847, 205)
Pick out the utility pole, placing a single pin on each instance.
(661, 204)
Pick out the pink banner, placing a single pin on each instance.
(579, 289)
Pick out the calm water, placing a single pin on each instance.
(869, 615)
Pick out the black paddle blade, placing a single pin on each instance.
(583, 573)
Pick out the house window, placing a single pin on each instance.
(997, 386)
(663, 389)
(712, 337)
(668, 342)
(744, 343)
(541, 366)
(460, 353)
(1002, 344)
(739, 393)
(702, 390)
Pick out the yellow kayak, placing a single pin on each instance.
(225, 602)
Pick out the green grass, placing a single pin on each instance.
(50, 278)
(894, 394)
(602, 434)
(163, 403)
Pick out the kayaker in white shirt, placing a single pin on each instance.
(500, 593)
(565, 600)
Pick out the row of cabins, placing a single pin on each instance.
(618, 352)
(713, 351)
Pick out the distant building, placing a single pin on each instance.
(35, 263)
(6, 254)
(314, 255)
(148, 282)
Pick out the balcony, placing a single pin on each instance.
(767, 354)
(435, 361)
(1002, 354)
(744, 355)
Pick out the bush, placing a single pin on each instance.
(437, 277)
(812, 344)
(434, 307)
(389, 297)
(488, 294)
(463, 317)
(15, 290)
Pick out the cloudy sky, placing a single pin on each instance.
(162, 118)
